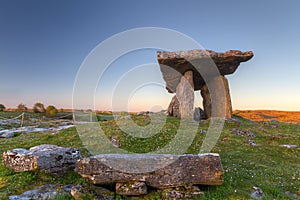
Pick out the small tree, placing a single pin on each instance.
(51, 110)
(2, 107)
(22, 107)
(39, 108)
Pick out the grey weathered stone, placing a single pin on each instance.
(217, 90)
(6, 134)
(289, 146)
(80, 192)
(181, 170)
(43, 192)
(258, 194)
(173, 109)
(242, 132)
(187, 192)
(185, 95)
(48, 158)
(131, 188)
(199, 114)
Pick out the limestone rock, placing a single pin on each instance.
(48, 158)
(258, 194)
(80, 192)
(135, 188)
(173, 109)
(174, 64)
(217, 90)
(199, 114)
(242, 132)
(6, 134)
(187, 192)
(185, 95)
(181, 170)
(289, 146)
(44, 192)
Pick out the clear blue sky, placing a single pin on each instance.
(43, 43)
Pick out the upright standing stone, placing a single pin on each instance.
(220, 94)
(185, 95)
(173, 109)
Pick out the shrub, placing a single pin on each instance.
(22, 107)
(2, 107)
(39, 108)
(51, 111)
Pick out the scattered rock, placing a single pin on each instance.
(80, 192)
(170, 170)
(199, 114)
(6, 134)
(291, 195)
(258, 194)
(252, 143)
(173, 109)
(135, 188)
(272, 124)
(277, 137)
(202, 131)
(188, 192)
(44, 192)
(115, 142)
(233, 121)
(143, 113)
(242, 133)
(289, 146)
(48, 158)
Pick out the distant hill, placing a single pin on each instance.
(269, 115)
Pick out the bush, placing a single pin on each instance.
(22, 107)
(39, 108)
(2, 107)
(51, 111)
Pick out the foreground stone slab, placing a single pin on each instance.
(48, 158)
(181, 170)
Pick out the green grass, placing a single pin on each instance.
(274, 169)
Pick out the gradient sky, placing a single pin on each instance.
(43, 43)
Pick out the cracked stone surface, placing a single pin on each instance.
(48, 158)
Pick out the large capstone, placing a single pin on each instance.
(48, 158)
(181, 170)
(173, 65)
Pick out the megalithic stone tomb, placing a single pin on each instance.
(187, 71)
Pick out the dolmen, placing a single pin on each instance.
(187, 71)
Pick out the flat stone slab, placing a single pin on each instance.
(43, 192)
(174, 64)
(170, 170)
(48, 158)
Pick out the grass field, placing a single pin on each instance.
(274, 169)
